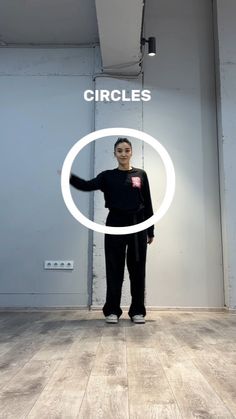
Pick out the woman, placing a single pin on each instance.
(127, 196)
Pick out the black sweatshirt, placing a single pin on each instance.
(124, 190)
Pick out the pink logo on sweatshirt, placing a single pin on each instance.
(136, 182)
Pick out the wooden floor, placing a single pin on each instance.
(70, 364)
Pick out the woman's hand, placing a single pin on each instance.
(150, 239)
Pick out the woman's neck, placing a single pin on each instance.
(125, 167)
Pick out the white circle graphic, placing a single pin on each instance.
(107, 132)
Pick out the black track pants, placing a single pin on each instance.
(133, 248)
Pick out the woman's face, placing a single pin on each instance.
(123, 153)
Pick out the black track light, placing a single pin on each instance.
(151, 45)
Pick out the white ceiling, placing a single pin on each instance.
(114, 24)
(119, 24)
(48, 22)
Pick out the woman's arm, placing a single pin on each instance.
(148, 210)
(87, 185)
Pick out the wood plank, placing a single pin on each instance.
(81, 356)
(40, 333)
(16, 325)
(143, 362)
(70, 363)
(221, 374)
(7, 317)
(110, 359)
(14, 359)
(4, 347)
(194, 394)
(63, 395)
(105, 398)
(18, 397)
(152, 397)
(55, 347)
(141, 335)
(113, 333)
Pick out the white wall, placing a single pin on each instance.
(42, 115)
(185, 263)
(226, 61)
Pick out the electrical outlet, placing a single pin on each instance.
(59, 264)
